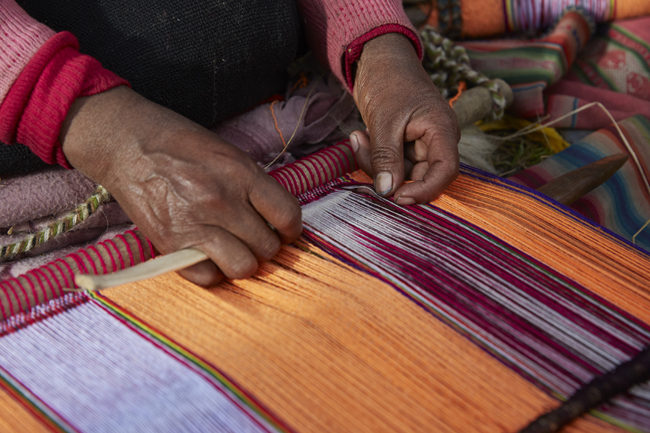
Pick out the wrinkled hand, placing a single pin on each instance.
(413, 133)
(180, 183)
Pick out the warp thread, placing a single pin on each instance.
(59, 226)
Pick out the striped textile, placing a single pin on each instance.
(476, 313)
(531, 66)
(622, 204)
(614, 69)
(568, 68)
(480, 18)
(109, 348)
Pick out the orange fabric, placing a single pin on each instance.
(631, 8)
(14, 417)
(328, 348)
(484, 17)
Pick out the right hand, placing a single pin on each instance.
(180, 183)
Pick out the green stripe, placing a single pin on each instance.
(602, 75)
(632, 51)
(632, 36)
(27, 400)
(523, 75)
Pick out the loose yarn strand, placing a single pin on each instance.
(302, 113)
(639, 231)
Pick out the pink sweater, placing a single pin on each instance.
(34, 62)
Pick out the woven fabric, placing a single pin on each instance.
(568, 68)
(474, 313)
(195, 58)
(613, 69)
(19, 159)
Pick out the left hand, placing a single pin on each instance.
(413, 133)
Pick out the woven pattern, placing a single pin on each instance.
(543, 325)
(493, 297)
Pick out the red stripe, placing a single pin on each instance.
(40, 283)
(58, 282)
(38, 271)
(99, 256)
(90, 259)
(80, 264)
(117, 251)
(128, 248)
(139, 243)
(73, 285)
(114, 265)
(37, 300)
(22, 289)
(4, 311)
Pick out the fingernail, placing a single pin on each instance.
(405, 201)
(383, 183)
(354, 141)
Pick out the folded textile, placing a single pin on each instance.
(567, 69)
(37, 195)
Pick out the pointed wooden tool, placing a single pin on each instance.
(577, 183)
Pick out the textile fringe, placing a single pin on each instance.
(61, 225)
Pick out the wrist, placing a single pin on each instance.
(388, 52)
(94, 132)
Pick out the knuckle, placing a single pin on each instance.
(383, 155)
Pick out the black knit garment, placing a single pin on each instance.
(206, 60)
(19, 159)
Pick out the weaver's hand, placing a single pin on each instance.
(181, 184)
(413, 132)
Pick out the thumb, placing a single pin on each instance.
(386, 158)
(361, 145)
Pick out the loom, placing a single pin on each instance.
(478, 312)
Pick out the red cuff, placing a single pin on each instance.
(354, 50)
(37, 103)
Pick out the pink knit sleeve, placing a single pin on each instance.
(20, 38)
(337, 29)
